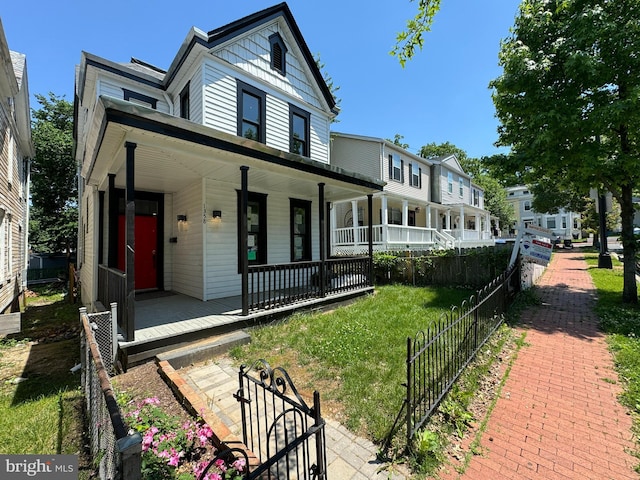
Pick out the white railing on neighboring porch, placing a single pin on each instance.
(390, 237)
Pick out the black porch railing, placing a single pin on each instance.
(436, 357)
(277, 285)
(112, 288)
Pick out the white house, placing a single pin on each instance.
(16, 150)
(564, 224)
(211, 179)
(419, 208)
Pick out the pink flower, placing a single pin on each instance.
(174, 458)
(220, 465)
(204, 433)
(151, 401)
(239, 464)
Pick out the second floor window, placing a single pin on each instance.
(551, 223)
(139, 98)
(527, 205)
(461, 188)
(450, 182)
(184, 102)
(251, 112)
(416, 175)
(395, 168)
(299, 131)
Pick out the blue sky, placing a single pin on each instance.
(441, 95)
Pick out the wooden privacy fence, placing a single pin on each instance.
(438, 355)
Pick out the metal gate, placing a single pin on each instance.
(285, 433)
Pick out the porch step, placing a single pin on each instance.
(204, 349)
(193, 345)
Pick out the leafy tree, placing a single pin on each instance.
(433, 150)
(54, 212)
(397, 140)
(568, 101)
(411, 38)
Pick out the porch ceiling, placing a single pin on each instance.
(173, 153)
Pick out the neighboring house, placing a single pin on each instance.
(16, 150)
(418, 209)
(211, 179)
(564, 224)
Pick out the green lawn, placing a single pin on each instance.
(621, 322)
(355, 355)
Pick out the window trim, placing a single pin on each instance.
(306, 116)
(392, 168)
(261, 200)
(460, 186)
(129, 94)
(275, 40)
(295, 203)
(185, 99)
(418, 181)
(243, 88)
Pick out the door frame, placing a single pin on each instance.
(159, 199)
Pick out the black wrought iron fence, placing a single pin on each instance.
(286, 434)
(438, 355)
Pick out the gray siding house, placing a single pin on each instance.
(16, 150)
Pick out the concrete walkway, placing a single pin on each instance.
(558, 416)
(348, 456)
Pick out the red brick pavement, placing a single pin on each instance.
(558, 416)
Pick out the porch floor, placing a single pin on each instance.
(163, 316)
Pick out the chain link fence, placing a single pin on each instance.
(116, 454)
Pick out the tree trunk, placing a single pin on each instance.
(630, 289)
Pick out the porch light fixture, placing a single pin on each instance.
(217, 214)
(182, 218)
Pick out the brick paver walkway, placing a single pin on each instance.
(558, 415)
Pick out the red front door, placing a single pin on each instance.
(146, 254)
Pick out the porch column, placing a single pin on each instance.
(570, 224)
(487, 224)
(244, 258)
(428, 216)
(385, 222)
(461, 223)
(112, 247)
(354, 216)
(478, 225)
(130, 240)
(334, 225)
(448, 219)
(322, 244)
(405, 219)
(370, 235)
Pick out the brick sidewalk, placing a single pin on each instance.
(558, 415)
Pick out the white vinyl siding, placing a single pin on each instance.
(187, 252)
(221, 236)
(107, 86)
(357, 155)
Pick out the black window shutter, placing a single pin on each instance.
(420, 177)
(401, 171)
(390, 166)
(410, 175)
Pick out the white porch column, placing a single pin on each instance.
(487, 224)
(333, 227)
(448, 218)
(354, 215)
(405, 219)
(570, 224)
(428, 216)
(478, 222)
(385, 221)
(461, 226)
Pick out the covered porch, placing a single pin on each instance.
(406, 224)
(207, 198)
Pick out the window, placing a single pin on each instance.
(256, 228)
(299, 131)
(511, 194)
(450, 182)
(184, 102)
(551, 222)
(564, 222)
(396, 167)
(525, 192)
(140, 99)
(575, 223)
(300, 211)
(278, 54)
(527, 205)
(461, 187)
(476, 197)
(251, 112)
(411, 219)
(394, 216)
(415, 179)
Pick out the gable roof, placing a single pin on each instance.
(451, 162)
(156, 77)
